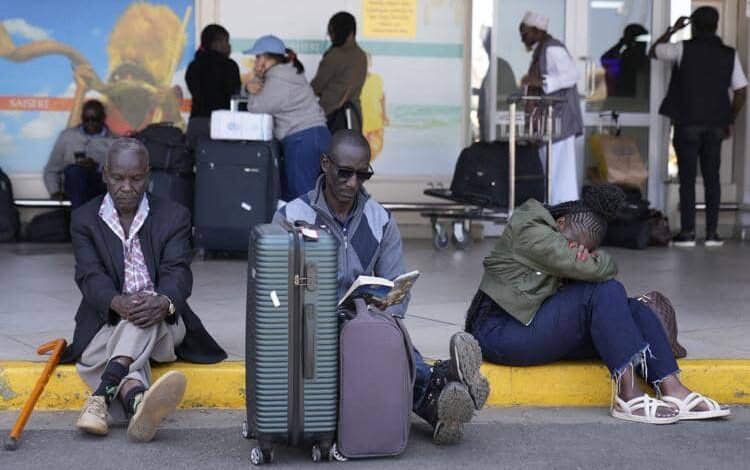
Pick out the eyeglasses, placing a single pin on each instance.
(92, 119)
(346, 173)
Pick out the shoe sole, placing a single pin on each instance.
(91, 428)
(466, 361)
(683, 244)
(158, 402)
(697, 415)
(713, 244)
(642, 419)
(455, 407)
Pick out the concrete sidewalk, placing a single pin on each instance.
(709, 288)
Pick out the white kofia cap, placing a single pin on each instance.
(537, 20)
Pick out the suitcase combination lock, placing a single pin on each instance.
(309, 280)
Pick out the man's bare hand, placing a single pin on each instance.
(124, 305)
(681, 23)
(151, 311)
(532, 81)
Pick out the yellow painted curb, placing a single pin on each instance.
(209, 386)
(588, 383)
(223, 385)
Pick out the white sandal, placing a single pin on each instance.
(688, 404)
(646, 403)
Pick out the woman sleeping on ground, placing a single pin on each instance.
(546, 295)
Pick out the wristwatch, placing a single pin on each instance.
(172, 308)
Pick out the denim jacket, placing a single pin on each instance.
(369, 241)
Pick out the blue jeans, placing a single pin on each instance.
(581, 321)
(422, 380)
(81, 184)
(302, 151)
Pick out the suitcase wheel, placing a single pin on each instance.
(316, 453)
(260, 456)
(246, 431)
(440, 238)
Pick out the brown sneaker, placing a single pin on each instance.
(157, 402)
(93, 417)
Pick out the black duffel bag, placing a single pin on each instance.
(167, 147)
(49, 227)
(631, 228)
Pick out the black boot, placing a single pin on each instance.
(463, 366)
(446, 407)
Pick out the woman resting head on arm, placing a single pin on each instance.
(523, 314)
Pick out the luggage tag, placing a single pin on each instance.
(308, 231)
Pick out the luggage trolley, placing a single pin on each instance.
(533, 124)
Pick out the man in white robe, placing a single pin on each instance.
(553, 73)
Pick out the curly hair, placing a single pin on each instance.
(588, 216)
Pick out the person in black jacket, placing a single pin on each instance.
(132, 254)
(697, 102)
(212, 78)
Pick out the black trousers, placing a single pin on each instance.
(694, 144)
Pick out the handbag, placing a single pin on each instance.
(665, 312)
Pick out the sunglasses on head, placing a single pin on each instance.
(346, 173)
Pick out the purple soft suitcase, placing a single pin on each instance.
(377, 373)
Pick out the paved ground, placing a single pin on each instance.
(709, 288)
(567, 438)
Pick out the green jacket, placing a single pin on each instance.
(531, 258)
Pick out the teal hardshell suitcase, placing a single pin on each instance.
(292, 340)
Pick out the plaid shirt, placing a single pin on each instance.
(137, 278)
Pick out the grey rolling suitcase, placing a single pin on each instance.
(291, 341)
(236, 188)
(377, 373)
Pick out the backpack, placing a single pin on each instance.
(9, 221)
(167, 147)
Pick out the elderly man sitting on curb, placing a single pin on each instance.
(133, 254)
(446, 394)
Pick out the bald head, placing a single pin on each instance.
(346, 167)
(350, 148)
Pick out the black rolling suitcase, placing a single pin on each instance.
(236, 188)
(291, 341)
(481, 174)
(175, 186)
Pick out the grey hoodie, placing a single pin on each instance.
(289, 98)
(369, 242)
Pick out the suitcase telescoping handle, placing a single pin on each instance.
(234, 102)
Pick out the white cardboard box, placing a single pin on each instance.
(241, 125)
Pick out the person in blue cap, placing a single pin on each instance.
(281, 89)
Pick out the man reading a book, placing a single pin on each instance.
(446, 393)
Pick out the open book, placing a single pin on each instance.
(380, 291)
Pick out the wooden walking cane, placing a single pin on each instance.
(57, 347)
